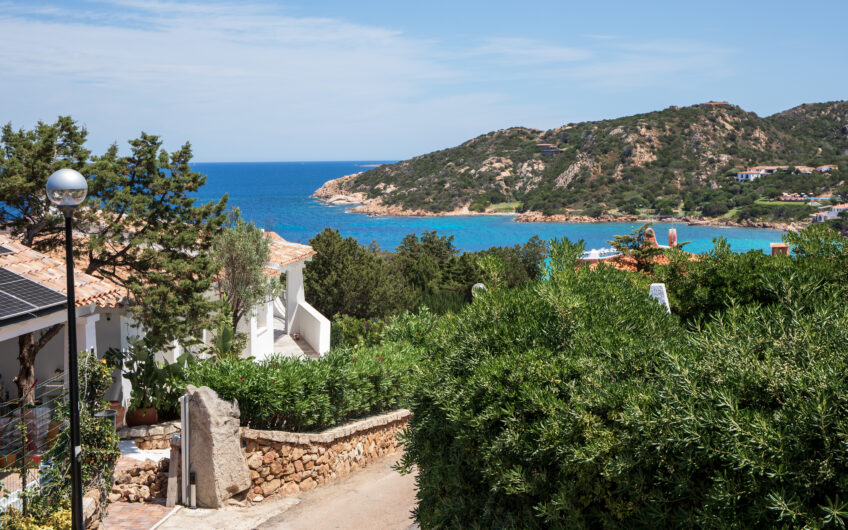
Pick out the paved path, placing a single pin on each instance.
(135, 515)
(376, 497)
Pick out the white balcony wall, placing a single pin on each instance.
(312, 326)
(260, 329)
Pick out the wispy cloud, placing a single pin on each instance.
(250, 80)
(522, 51)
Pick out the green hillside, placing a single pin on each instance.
(670, 160)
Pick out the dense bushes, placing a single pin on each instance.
(578, 402)
(364, 282)
(346, 278)
(294, 395)
(524, 399)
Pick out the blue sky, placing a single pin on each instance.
(343, 80)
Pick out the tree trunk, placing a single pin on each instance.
(28, 348)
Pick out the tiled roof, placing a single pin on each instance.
(285, 252)
(50, 273)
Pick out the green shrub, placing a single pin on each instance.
(302, 395)
(524, 398)
(579, 402)
(349, 332)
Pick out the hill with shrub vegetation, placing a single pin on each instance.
(677, 160)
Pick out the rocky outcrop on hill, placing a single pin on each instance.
(670, 155)
(334, 192)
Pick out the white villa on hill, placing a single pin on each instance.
(753, 173)
(829, 212)
(286, 325)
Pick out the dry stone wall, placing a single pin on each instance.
(279, 461)
(151, 436)
(292, 462)
(139, 481)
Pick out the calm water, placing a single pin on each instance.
(276, 195)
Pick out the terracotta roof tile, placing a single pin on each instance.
(50, 273)
(285, 252)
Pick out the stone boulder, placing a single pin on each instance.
(215, 454)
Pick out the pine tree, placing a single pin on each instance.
(27, 159)
(144, 221)
(641, 245)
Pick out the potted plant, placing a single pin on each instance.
(147, 379)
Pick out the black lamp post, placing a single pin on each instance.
(66, 189)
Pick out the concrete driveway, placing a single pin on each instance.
(375, 497)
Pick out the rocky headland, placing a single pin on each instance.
(333, 192)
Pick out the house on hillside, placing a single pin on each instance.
(829, 212)
(753, 173)
(749, 175)
(33, 298)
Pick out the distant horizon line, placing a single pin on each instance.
(372, 160)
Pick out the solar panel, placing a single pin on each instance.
(4, 250)
(19, 295)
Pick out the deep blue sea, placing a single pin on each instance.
(276, 196)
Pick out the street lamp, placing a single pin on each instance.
(66, 189)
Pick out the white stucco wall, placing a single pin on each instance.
(294, 291)
(48, 360)
(260, 330)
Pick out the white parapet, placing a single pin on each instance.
(314, 327)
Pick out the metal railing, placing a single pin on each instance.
(27, 432)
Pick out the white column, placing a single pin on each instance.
(128, 331)
(86, 339)
(252, 343)
(87, 333)
(294, 292)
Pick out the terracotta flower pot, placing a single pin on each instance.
(8, 460)
(146, 416)
(122, 411)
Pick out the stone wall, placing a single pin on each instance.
(151, 436)
(279, 461)
(293, 462)
(139, 481)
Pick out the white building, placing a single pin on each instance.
(101, 322)
(286, 326)
(749, 175)
(829, 213)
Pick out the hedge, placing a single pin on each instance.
(579, 402)
(294, 395)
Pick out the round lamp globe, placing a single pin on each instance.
(66, 188)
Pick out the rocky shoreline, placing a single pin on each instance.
(538, 217)
(332, 192)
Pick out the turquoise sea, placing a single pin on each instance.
(276, 196)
